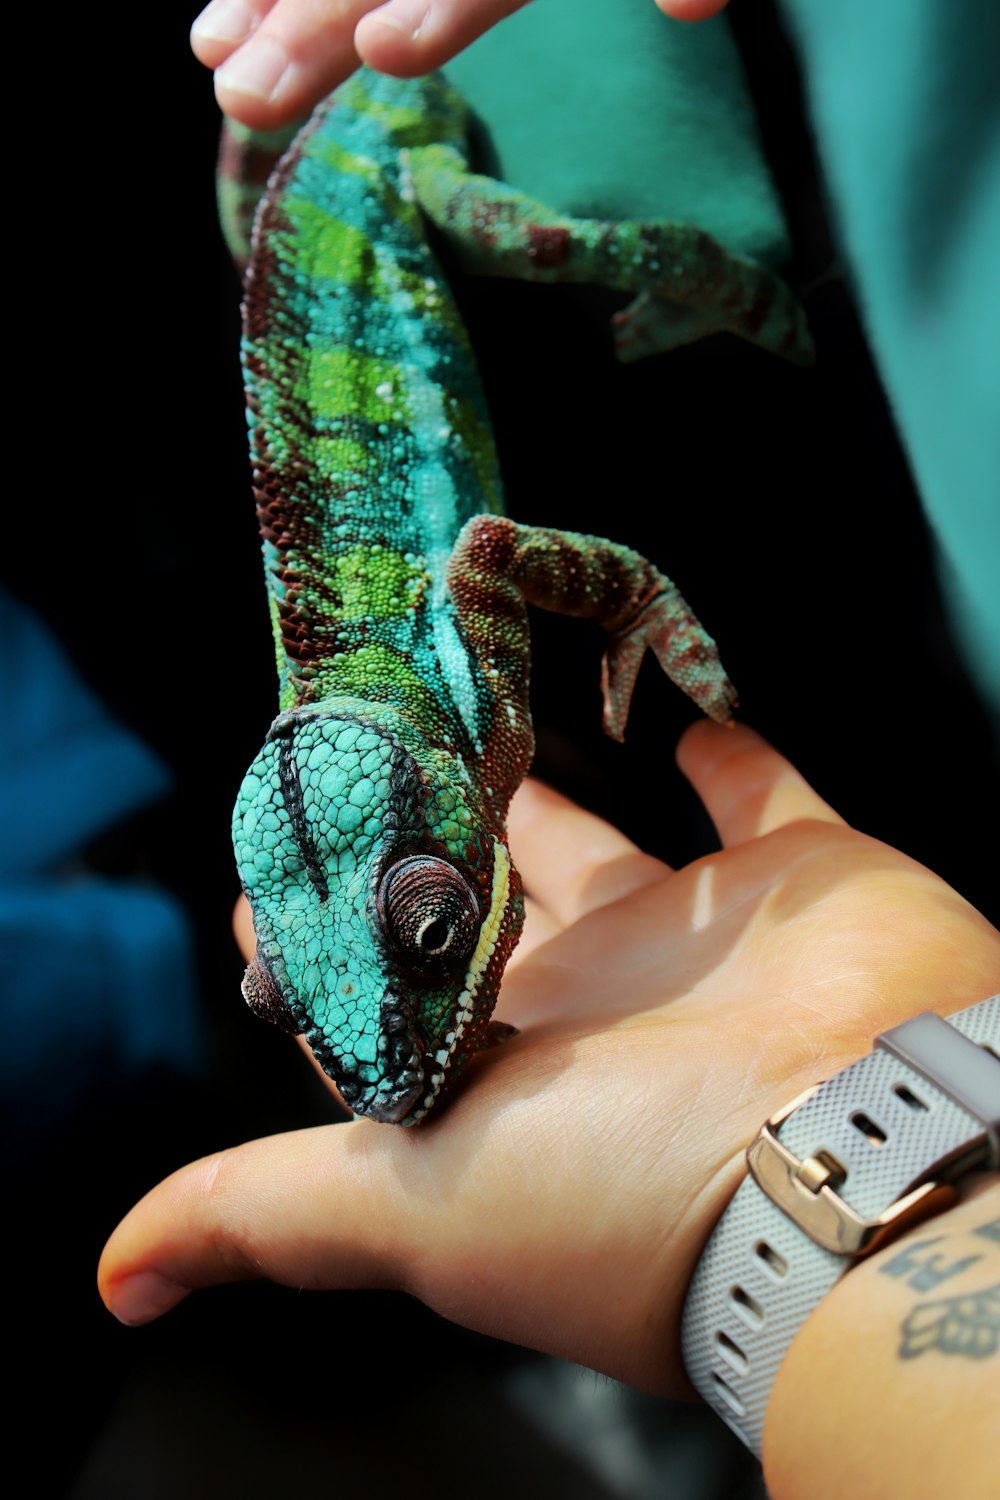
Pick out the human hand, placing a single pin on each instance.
(562, 1199)
(275, 59)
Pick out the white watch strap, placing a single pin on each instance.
(848, 1159)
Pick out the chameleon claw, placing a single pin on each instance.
(683, 648)
(498, 1032)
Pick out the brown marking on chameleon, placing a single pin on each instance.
(548, 245)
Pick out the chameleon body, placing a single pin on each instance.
(370, 829)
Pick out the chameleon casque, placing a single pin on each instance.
(370, 829)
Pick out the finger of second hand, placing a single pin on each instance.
(748, 788)
(570, 860)
(294, 57)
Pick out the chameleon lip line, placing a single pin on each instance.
(465, 1004)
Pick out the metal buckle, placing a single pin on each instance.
(805, 1191)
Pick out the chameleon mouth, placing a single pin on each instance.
(395, 1110)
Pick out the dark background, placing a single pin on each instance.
(778, 500)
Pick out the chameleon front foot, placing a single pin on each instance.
(498, 565)
(687, 653)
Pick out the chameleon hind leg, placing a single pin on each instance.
(498, 566)
(686, 285)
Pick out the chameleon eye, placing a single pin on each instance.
(428, 912)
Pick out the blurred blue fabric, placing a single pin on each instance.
(98, 975)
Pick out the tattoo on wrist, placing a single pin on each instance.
(923, 1268)
(967, 1325)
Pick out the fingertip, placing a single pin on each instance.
(749, 789)
(706, 743)
(220, 29)
(410, 37)
(141, 1297)
(385, 36)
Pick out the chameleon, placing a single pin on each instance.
(370, 830)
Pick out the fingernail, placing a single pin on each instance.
(407, 16)
(256, 70)
(140, 1298)
(224, 21)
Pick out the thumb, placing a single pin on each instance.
(312, 1208)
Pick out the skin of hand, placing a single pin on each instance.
(275, 59)
(562, 1198)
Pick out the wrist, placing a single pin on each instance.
(833, 1175)
(893, 1382)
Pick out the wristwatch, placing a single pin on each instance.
(837, 1172)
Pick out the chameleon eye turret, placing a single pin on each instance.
(370, 830)
(428, 913)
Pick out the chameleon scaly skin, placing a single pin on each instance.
(370, 829)
(686, 284)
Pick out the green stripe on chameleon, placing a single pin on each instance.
(342, 459)
(377, 583)
(343, 383)
(326, 246)
(377, 674)
(346, 382)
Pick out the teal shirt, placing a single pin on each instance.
(905, 100)
(606, 108)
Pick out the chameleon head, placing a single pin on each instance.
(384, 903)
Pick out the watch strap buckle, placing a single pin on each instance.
(806, 1191)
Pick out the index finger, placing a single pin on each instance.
(748, 788)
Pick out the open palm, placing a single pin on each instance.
(562, 1199)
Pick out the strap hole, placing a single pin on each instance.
(908, 1097)
(873, 1134)
(775, 1263)
(748, 1308)
(728, 1395)
(732, 1353)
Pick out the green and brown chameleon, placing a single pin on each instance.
(370, 829)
